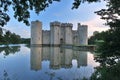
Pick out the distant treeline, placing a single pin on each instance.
(25, 40)
(98, 37)
(12, 38)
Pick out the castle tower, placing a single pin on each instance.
(36, 33)
(82, 34)
(55, 33)
(68, 33)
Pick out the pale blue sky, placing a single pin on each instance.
(61, 11)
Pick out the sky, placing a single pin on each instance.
(62, 12)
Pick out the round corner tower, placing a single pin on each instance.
(82, 34)
(36, 33)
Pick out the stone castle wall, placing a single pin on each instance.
(45, 37)
(75, 37)
(59, 33)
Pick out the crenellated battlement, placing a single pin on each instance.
(79, 25)
(36, 22)
(55, 23)
(84, 25)
(66, 25)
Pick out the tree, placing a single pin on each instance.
(21, 9)
(1, 32)
(98, 37)
(7, 37)
(110, 50)
(11, 38)
(1, 36)
(77, 3)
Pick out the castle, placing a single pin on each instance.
(59, 33)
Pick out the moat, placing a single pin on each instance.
(22, 62)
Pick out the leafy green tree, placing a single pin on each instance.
(14, 38)
(1, 32)
(7, 37)
(110, 50)
(21, 9)
(11, 38)
(98, 37)
(1, 36)
(107, 73)
(25, 40)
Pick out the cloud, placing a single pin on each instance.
(95, 24)
(23, 31)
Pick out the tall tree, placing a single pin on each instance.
(21, 9)
(111, 14)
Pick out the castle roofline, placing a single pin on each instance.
(67, 25)
(84, 25)
(36, 21)
(79, 25)
(55, 23)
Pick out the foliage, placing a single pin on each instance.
(12, 38)
(110, 50)
(9, 38)
(25, 40)
(107, 73)
(98, 36)
(77, 3)
(10, 50)
(21, 9)
(109, 58)
(111, 14)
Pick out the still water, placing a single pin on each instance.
(45, 63)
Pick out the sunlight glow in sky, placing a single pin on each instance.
(62, 12)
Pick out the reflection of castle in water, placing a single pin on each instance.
(58, 57)
(35, 58)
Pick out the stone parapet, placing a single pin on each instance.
(36, 22)
(84, 25)
(56, 23)
(66, 25)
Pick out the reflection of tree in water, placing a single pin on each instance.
(6, 76)
(27, 45)
(10, 50)
(51, 74)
